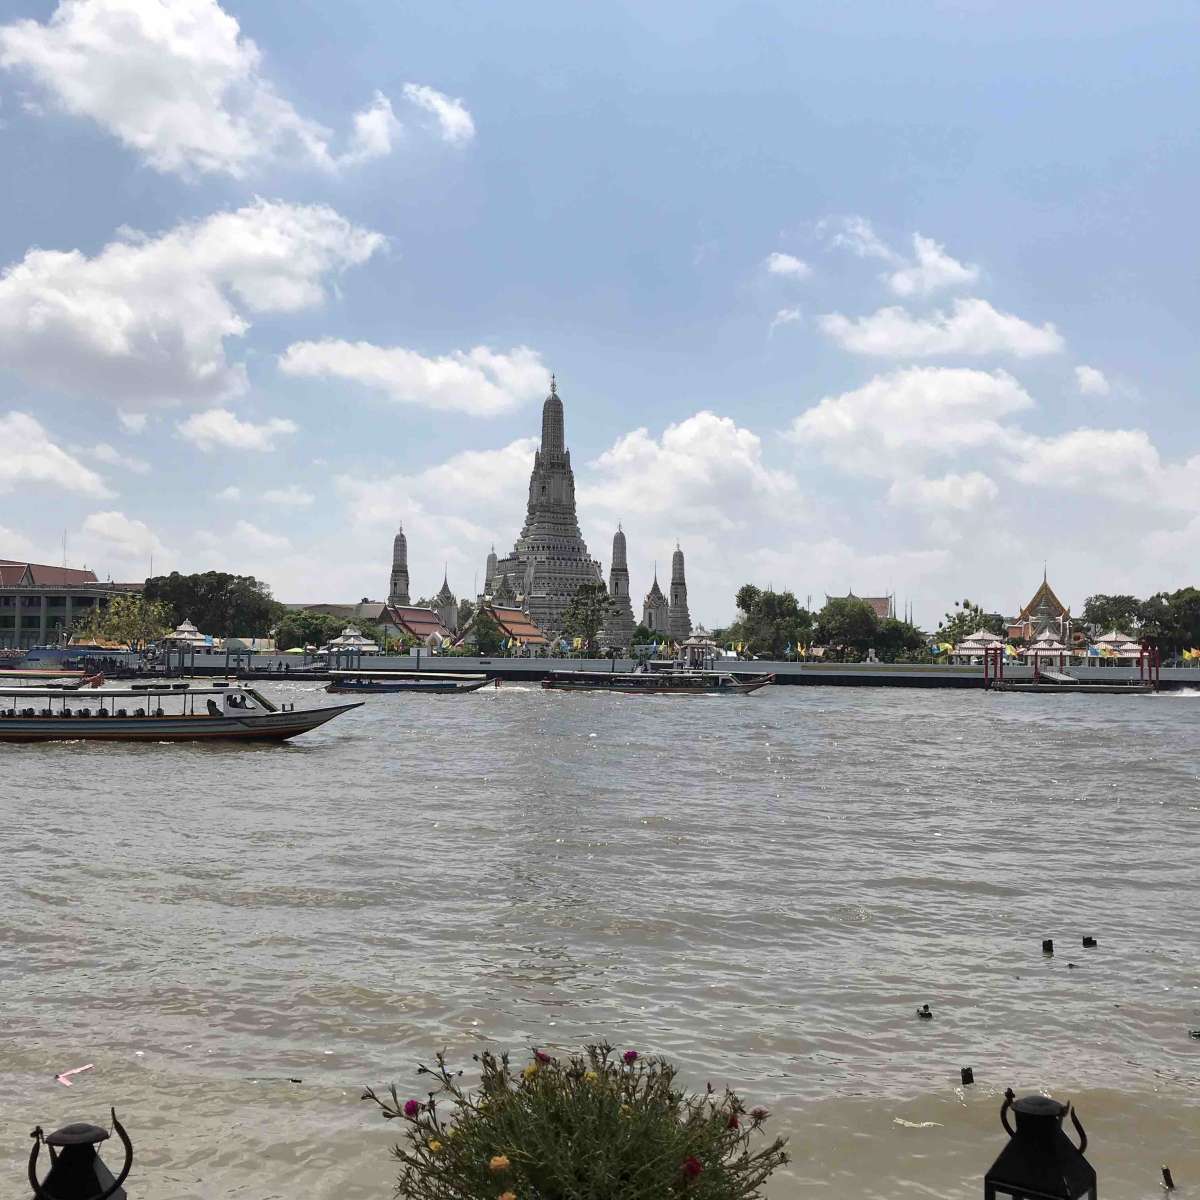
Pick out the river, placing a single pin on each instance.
(763, 888)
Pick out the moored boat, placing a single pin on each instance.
(178, 713)
(426, 683)
(656, 683)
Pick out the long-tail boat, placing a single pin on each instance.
(656, 683)
(425, 683)
(153, 713)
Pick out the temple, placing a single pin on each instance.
(679, 621)
(655, 609)
(398, 585)
(618, 630)
(1045, 612)
(549, 560)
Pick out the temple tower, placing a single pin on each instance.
(445, 604)
(655, 611)
(550, 559)
(619, 626)
(489, 572)
(398, 587)
(679, 621)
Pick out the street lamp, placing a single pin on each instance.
(76, 1172)
(1040, 1162)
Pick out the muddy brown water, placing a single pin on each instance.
(762, 888)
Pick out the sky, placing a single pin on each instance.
(873, 297)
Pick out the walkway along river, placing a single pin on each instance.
(765, 890)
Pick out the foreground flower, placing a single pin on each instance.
(590, 1076)
(507, 1196)
(691, 1166)
(630, 1056)
(530, 1071)
(732, 1123)
(412, 1108)
(542, 1056)
(434, 1146)
(498, 1162)
(759, 1114)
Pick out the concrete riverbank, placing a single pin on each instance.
(803, 674)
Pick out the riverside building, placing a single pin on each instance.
(39, 604)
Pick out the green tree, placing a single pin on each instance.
(846, 624)
(130, 619)
(1173, 619)
(770, 622)
(306, 629)
(466, 610)
(1106, 613)
(898, 640)
(487, 635)
(642, 636)
(589, 609)
(967, 618)
(217, 602)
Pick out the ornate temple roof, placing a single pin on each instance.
(445, 596)
(1044, 600)
(515, 622)
(655, 594)
(418, 623)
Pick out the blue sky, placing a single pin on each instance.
(882, 297)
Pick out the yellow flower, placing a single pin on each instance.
(590, 1076)
(625, 1110)
(499, 1162)
(508, 1196)
(530, 1071)
(434, 1146)
(452, 1131)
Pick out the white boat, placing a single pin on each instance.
(153, 713)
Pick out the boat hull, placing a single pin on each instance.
(255, 727)
(654, 685)
(413, 687)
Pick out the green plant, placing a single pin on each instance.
(593, 1126)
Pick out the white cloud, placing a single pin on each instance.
(29, 458)
(973, 327)
(375, 129)
(785, 316)
(291, 496)
(246, 534)
(178, 83)
(110, 455)
(479, 381)
(145, 320)
(958, 493)
(706, 471)
(132, 422)
(1091, 381)
(218, 427)
(454, 121)
(931, 270)
(788, 265)
(1121, 463)
(910, 414)
(857, 235)
(122, 536)
(232, 492)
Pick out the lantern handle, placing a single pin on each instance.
(39, 1194)
(1079, 1129)
(1009, 1097)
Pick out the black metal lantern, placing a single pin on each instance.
(76, 1171)
(1040, 1162)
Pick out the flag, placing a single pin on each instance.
(1011, 651)
(577, 644)
(788, 648)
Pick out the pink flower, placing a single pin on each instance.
(542, 1056)
(732, 1123)
(411, 1109)
(691, 1166)
(759, 1114)
(630, 1056)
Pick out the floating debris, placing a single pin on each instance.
(968, 1076)
(924, 1013)
(1047, 945)
(917, 1124)
(65, 1077)
(1167, 1182)
(1089, 943)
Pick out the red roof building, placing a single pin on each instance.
(39, 603)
